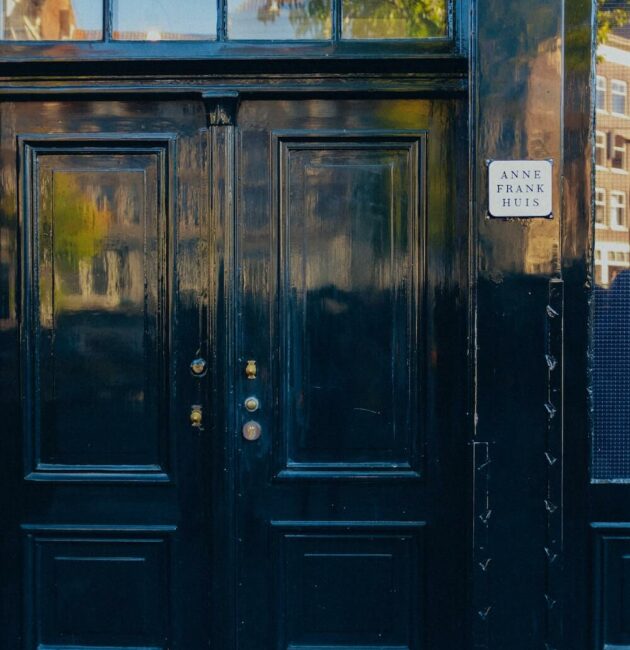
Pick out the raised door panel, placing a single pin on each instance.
(95, 347)
(350, 231)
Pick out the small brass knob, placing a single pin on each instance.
(252, 404)
(196, 416)
(198, 367)
(252, 431)
(250, 369)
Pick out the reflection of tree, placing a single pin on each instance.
(81, 224)
(368, 18)
(611, 14)
(395, 18)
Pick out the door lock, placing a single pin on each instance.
(251, 404)
(252, 431)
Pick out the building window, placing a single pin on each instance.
(600, 148)
(619, 90)
(600, 206)
(619, 153)
(618, 216)
(601, 93)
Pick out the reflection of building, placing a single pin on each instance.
(612, 241)
(39, 21)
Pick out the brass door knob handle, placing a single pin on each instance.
(250, 369)
(198, 367)
(196, 416)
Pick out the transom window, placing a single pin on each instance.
(197, 20)
(618, 91)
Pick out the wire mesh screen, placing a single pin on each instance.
(610, 459)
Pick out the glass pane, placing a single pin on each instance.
(279, 19)
(166, 20)
(611, 296)
(394, 18)
(51, 20)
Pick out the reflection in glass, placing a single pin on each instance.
(165, 20)
(279, 19)
(611, 295)
(51, 20)
(394, 18)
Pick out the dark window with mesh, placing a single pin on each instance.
(610, 459)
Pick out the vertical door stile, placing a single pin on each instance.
(221, 107)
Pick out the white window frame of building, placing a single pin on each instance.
(618, 89)
(601, 93)
(600, 207)
(618, 160)
(600, 148)
(617, 212)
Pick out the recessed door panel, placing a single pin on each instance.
(96, 306)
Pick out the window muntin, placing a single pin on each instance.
(617, 210)
(601, 93)
(618, 93)
(618, 160)
(600, 206)
(600, 148)
(51, 20)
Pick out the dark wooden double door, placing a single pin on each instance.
(324, 240)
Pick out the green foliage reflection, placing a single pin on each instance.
(367, 19)
(611, 14)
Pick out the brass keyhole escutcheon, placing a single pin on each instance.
(198, 367)
(196, 416)
(252, 431)
(250, 369)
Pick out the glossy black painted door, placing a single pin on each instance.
(104, 236)
(352, 507)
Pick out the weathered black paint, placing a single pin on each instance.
(490, 548)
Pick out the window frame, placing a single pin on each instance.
(452, 45)
(601, 92)
(623, 152)
(616, 93)
(614, 206)
(602, 204)
(601, 147)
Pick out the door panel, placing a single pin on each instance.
(96, 274)
(352, 511)
(348, 222)
(105, 230)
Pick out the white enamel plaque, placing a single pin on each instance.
(520, 188)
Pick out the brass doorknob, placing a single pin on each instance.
(250, 369)
(196, 416)
(198, 367)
